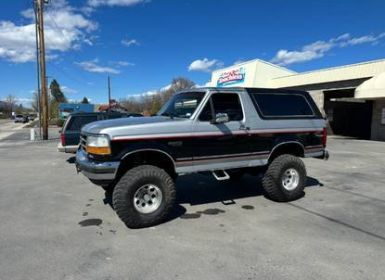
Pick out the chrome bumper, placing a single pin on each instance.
(99, 171)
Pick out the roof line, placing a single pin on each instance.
(255, 60)
(332, 68)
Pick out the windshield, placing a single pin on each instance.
(182, 105)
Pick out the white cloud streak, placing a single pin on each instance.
(204, 65)
(320, 48)
(98, 3)
(130, 42)
(93, 67)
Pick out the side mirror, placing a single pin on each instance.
(220, 118)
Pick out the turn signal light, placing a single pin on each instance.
(98, 150)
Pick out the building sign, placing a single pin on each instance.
(231, 77)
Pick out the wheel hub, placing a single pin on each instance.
(147, 199)
(290, 179)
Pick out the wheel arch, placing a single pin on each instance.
(294, 148)
(147, 156)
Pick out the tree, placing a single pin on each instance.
(10, 102)
(35, 102)
(56, 92)
(85, 100)
(152, 103)
(57, 96)
(177, 84)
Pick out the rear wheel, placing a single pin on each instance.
(285, 178)
(144, 196)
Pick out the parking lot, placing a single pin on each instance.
(56, 225)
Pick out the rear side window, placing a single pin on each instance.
(282, 105)
(76, 123)
(228, 103)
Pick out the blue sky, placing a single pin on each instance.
(142, 45)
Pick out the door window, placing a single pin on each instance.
(228, 103)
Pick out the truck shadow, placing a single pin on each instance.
(200, 189)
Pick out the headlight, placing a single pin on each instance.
(98, 145)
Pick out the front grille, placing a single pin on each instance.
(83, 141)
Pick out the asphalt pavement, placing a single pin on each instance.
(54, 224)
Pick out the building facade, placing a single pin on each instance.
(352, 97)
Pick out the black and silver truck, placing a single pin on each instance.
(225, 131)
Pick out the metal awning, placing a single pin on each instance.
(372, 88)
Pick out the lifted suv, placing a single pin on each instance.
(225, 131)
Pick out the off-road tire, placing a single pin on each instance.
(272, 180)
(129, 183)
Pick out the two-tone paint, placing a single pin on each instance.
(193, 145)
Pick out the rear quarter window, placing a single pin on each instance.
(77, 122)
(283, 105)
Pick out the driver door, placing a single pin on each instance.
(218, 142)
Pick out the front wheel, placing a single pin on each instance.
(285, 178)
(144, 196)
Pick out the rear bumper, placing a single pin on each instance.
(67, 149)
(96, 171)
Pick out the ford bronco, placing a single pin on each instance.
(225, 131)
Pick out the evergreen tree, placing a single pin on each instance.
(57, 93)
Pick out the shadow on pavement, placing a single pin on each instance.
(200, 189)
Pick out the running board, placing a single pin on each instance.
(221, 175)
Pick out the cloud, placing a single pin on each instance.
(204, 65)
(68, 90)
(92, 66)
(318, 49)
(65, 29)
(130, 42)
(124, 63)
(98, 3)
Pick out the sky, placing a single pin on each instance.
(144, 44)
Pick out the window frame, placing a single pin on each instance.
(311, 105)
(209, 100)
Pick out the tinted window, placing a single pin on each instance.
(282, 104)
(76, 123)
(228, 103)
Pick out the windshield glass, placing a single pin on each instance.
(182, 105)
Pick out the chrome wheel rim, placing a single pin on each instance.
(147, 199)
(290, 179)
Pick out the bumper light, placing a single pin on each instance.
(98, 145)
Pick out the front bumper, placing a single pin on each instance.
(96, 171)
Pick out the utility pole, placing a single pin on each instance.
(109, 94)
(37, 68)
(44, 96)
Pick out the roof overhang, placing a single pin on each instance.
(372, 88)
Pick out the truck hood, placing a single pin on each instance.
(129, 126)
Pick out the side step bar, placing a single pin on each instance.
(221, 175)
